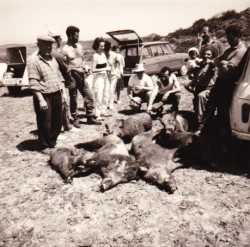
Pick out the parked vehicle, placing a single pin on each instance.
(13, 73)
(240, 107)
(154, 55)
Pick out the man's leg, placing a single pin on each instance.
(56, 117)
(202, 99)
(151, 95)
(173, 99)
(43, 121)
(87, 94)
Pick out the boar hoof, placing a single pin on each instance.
(170, 186)
(68, 180)
(106, 184)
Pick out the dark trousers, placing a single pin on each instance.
(173, 99)
(49, 122)
(78, 83)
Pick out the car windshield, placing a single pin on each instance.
(167, 49)
(146, 52)
(156, 50)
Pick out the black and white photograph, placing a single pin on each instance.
(125, 123)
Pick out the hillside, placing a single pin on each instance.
(185, 38)
(181, 39)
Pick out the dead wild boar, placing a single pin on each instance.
(175, 132)
(154, 162)
(113, 163)
(100, 142)
(132, 126)
(67, 162)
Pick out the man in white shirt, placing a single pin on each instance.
(76, 68)
(141, 86)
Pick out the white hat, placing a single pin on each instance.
(193, 49)
(53, 34)
(45, 38)
(138, 68)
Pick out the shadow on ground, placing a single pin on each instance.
(29, 145)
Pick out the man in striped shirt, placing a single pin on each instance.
(47, 85)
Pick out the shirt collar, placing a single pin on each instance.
(237, 46)
(44, 60)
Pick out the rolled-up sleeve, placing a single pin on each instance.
(34, 76)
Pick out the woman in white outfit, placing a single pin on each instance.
(100, 77)
(114, 73)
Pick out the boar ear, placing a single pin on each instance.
(174, 113)
(120, 123)
(107, 129)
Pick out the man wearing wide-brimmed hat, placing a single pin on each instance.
(141, 88)
(47, 85)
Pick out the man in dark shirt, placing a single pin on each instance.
(221, 94)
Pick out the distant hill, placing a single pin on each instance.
(181, 39)
(185, 38)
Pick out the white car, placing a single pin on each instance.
(240, 107)
(13, 73)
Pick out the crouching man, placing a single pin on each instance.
(141, 89)
(168, 89)
(47, 84)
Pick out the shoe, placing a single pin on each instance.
(61, 137)
(92, 120)
(106, 114)
(99, 119)
(76, 123)
(47, 150)
(67, 127)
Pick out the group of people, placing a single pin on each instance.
(211, 72)
(52, 70)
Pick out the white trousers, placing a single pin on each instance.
(113, 84)
(101, 87)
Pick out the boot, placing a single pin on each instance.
(76, 123)
(93, 120)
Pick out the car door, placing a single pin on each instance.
(125, 37)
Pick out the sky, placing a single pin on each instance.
(21, 21)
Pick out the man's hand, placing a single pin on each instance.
(165, 96)
(223, 66)
(138, 89)
(43, 104)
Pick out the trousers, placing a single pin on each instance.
(49, 122)
(78, 84)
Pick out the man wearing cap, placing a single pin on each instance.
(141, 86)
(76, 67)
(207, 41)
(47, 85)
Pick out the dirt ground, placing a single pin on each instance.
(37, 209)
